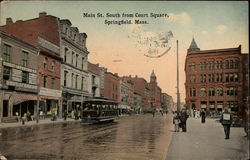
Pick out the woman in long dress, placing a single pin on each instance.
(203, 116)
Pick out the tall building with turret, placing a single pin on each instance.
(214, 79)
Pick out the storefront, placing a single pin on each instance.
(17, 104)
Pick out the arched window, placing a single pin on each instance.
(219, 92)
(203, 92)
(211, 92)
(65, 54)
(236, 64)
(226, 64)
(53, 66)
(45, 63)
(231, 64)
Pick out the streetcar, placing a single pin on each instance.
(99, 110)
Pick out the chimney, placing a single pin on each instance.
(136, 76)
(9, 21)
(42, 14)
(129, 76)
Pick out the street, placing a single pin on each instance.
(136, 137)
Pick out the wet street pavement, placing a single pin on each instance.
(136, 137)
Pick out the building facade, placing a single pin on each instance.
(111, 88)
(43, 33)
(74, 69)
(94, 79)
(142, 88)
(18, 77)
(166, 102)
(155, 92)
(214, 79)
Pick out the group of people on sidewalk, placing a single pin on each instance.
(180, 119)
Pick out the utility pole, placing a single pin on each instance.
(178, 93)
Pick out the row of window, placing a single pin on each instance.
(228, 64)
(231, 105)
(45, 64)
(7, 50)
(74, 83)
(230, 91)
(45, 82)
(218, 77)
(7, 75)
(74, 36)
(66, 52)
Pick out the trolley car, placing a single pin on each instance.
(99, 110)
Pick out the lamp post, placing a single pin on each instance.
(178, 93)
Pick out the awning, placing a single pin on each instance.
(19, 98)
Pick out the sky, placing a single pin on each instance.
(137, 49)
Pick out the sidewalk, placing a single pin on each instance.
(41, 121)
(206, 142)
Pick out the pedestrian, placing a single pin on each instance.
(183, 119)
(247, 123)
(65, 114)
(226, 121)
(176, 122)
(72, 114)
(203, 116)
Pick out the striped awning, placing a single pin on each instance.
(17, 98)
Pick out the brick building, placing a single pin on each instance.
(155, 92)
(141, 88)
(43, 33)
(214, 79)
(111, 88)
(166, 102)
(18, 77)
(94, 79)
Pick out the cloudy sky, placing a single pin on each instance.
(128, 49)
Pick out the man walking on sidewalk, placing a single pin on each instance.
(183, 118)
(226, 121)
